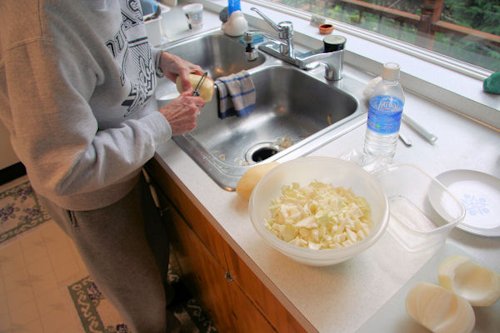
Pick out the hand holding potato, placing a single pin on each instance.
(182, 113)
(176, 68)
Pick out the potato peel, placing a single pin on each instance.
(479, 285)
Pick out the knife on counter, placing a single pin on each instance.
(431, 138)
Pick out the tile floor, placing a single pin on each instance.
(36, 268)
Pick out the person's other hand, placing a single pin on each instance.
(173, 66)
(182, 113)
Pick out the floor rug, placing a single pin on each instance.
(98, 315)
(19, 211)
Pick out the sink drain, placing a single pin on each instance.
(261, 152)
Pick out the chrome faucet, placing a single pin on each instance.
(285, 34)
(333, 61)
(284, 49)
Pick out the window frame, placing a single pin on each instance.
(413, 50)
(444, 80)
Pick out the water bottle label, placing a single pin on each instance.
(384, 114)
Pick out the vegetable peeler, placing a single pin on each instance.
(196, 91)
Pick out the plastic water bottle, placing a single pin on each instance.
(384, 115)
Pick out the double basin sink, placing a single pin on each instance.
(296, 111)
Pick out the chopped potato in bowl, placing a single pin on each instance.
(319, 216)
(319, 210)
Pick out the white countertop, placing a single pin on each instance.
(343, 297)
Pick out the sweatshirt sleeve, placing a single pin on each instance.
(55, 133)
(157, 57)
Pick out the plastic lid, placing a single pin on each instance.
(334, 40)
(390, 71)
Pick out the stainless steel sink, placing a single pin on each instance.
(217, 53)
(296, 112)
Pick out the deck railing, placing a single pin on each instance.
(428, 23)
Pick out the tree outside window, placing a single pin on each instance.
(467, 30)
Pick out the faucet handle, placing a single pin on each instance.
(285, 27)
(267, 19)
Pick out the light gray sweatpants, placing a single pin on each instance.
(125, 249)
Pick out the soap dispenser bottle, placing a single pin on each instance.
(233, 6)
(236, 25)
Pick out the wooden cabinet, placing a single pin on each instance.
(232, 293)
(203, 273)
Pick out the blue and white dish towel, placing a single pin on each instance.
(236, 95)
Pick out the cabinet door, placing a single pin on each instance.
(187, 208)
(204, 276)
(246, 316)
(231, 309)
(264, 300)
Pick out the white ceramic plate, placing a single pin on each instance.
(480, 194)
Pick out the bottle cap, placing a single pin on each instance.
(391, 71)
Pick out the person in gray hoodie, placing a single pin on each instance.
(77, 82)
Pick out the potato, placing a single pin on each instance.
(250, 178)
(477, 284)
(206, 89)
(440, 310)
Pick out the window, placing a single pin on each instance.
(466, 30)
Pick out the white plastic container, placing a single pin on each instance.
(154, 31)
(194, 14)
(423, 211)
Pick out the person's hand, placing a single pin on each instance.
(173, 66)
(182, 113)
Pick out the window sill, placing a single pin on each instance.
(422, 73)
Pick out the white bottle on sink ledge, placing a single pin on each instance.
(236, 24)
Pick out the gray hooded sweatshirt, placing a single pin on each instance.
(77, 81)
